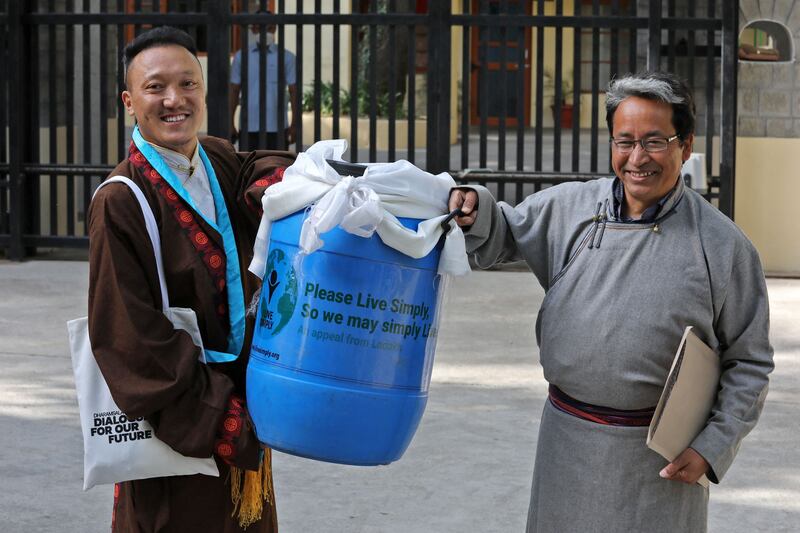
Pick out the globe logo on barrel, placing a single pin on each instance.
(280, 285)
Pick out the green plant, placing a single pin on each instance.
(326, 101)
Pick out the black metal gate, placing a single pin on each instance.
(484, 82)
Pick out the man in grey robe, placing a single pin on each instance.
(627, 263)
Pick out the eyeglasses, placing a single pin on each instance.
(650, 145)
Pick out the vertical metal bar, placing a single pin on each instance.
(5, 61)
(298, 67)
(336, 68)
(280, 105)
(137, 8)
(632, 41)
(69, 61)
(244, 79)
(392, 7)
(373, 86)
(354, 86)
(710, 86)
(558, 97)
(595, 88)
(537, 165)
(193, 30)
(465, 86)
(522, 75)
(654, 36)
(317, 74)
(501, 118)
(483, 81)
(727, 174)
(32, 206)
(52, 121)
(691, 47)
(439, 46)
(103, 81)
(670, 38)
(576, 94)
(412, 93)
(614, 59)
(219, 72)
(86, 142)
(17, 52)
(120, 86)
(263, 62)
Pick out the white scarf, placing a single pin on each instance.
(363, 206)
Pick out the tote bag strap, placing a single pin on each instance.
(152, 231)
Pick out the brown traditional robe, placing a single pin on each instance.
(152, 369)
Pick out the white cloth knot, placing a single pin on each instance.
(350, 204)
(363, 206)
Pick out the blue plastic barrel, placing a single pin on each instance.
(340, 361)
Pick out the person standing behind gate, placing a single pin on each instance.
(273, 85)
(627, 263)
(203, 195)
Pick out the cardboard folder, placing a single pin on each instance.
(687, 399)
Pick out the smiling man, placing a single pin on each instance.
(200, 191)
(627, 263)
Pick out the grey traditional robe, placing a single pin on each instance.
(618, 297)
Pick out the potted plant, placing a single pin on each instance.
(562, 110)
(381, 120)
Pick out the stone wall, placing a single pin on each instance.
(769, 93)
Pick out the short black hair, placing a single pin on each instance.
(659, 86)
(160, 36)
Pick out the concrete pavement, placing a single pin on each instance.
(468, 468)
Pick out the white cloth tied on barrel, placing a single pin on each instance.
(362, 206)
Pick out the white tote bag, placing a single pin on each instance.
(116, 448)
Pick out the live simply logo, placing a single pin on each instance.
(279, 302)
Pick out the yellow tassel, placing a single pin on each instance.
(249, 495)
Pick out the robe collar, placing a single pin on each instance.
(653, 213)
(183, 167)
(223, 226)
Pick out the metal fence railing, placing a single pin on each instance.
(478, 90)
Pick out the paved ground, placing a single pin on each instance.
(468, 468)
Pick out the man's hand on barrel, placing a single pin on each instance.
(467, 201)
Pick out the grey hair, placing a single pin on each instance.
(620, 89)
(658, 86)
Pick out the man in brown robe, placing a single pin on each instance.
(206, 201)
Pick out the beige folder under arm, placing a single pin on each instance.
(687, 399)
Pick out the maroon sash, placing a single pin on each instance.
(598, 414)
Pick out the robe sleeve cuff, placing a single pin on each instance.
(236, 443)
(713, 445)
(477, 234)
